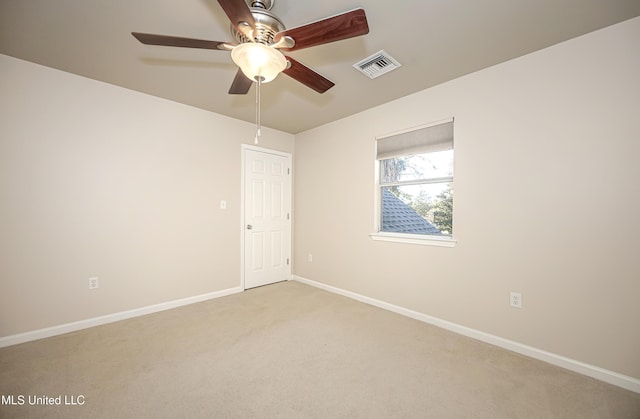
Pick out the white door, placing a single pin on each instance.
(267, 217)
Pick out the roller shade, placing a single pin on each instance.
(438, 137)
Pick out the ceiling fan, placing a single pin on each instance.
(261, 36)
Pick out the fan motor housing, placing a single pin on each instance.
(263, 4)
(267, 26)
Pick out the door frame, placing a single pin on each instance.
(243, 149)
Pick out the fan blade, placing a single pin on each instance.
(307, 76)
(344, 26)
(240, 16)
(175, 41)
(241, 84)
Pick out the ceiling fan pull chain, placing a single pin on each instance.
(258, 109)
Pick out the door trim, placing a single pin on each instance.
(243, 149)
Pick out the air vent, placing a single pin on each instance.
(377, 65)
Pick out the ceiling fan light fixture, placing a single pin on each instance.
(259, 62)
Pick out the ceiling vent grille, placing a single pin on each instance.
(376, 65)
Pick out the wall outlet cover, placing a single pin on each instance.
(515, 299)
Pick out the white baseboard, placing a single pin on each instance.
(598, 373)
(110, 318)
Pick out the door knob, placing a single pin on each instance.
(249, 226)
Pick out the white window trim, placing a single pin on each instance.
(419, 239)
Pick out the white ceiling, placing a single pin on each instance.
(434, 40)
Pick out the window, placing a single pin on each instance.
(415, 185)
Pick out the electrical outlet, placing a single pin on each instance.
(94, 283)
(515, 299)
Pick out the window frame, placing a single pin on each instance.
(408, 238)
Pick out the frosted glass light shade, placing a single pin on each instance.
(258, 61)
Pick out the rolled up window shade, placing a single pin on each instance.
(435, 137)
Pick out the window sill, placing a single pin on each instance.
(414, 239)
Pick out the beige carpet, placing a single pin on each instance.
(291, 351)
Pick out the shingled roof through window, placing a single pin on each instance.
(400, 218)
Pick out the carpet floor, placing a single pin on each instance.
(289, 350)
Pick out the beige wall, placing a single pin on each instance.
(547, 202)
(96, 180)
